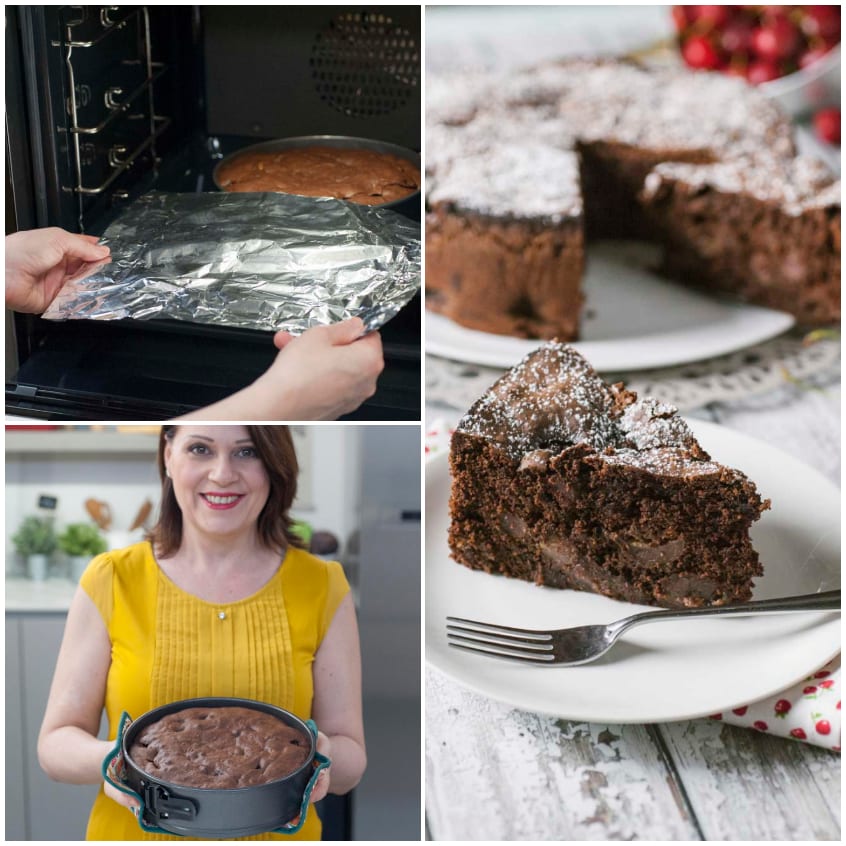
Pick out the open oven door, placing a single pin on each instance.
(69, 165)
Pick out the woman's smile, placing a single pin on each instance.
(222, 501)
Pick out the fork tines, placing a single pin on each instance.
(499, 641)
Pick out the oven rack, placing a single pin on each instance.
(120, 164)
(118, 157)
(109, 25)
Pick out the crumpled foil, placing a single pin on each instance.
(259, 261)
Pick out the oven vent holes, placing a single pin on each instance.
(364, 64)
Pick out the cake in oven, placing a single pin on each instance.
(361, 176)
(563, 480)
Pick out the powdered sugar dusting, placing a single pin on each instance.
(553, 399)
(503, 143)
(502, 181)
(796, 185)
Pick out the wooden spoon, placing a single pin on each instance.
(100, 513)
(141, 516)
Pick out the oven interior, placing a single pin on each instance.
(107, 102)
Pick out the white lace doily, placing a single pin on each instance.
(791, 358)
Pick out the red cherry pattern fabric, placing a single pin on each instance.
(808, 711)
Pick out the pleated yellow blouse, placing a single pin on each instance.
(168, 644)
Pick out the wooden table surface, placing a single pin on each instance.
(494, 772)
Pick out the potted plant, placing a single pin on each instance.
(81, 542)
(35, 540)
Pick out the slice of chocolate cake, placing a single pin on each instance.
(563, 480)
(767, 232)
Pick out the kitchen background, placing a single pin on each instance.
(358, 484)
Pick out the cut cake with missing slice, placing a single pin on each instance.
(561, 479)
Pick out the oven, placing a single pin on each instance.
(104, 103)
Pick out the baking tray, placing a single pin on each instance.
(408, 205)
(213, 812)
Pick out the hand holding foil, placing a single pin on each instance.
(259, 261)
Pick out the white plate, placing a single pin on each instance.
(633, 319)
(660, 671)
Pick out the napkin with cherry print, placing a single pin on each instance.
(807, 711)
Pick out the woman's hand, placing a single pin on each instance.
(320, 375)
(40, 261)
(321, 786)
(327, 371)
(129, 802)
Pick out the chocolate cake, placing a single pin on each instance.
(770, 233)
(219, 748)
(524, 167)
(565, 481)
(360, 176)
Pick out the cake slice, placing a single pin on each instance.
(766, 231)
(563, 480)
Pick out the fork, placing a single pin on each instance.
(583, 644)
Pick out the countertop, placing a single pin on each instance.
(51, 595)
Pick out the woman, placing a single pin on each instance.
(219, 602)
(320, 375)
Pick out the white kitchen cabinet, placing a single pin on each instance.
(36, 807)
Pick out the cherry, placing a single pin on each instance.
(680, 17)
(714, 16)
(823, 727)
(782, 707)
(736, 36)
(798, 733)
(700, 53)
(775, 39)
(822, 21)
(759, 72)
(827, 125)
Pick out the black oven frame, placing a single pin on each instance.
(204, 66)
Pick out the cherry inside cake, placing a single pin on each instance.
(563, 480)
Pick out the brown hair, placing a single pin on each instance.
(275, 448)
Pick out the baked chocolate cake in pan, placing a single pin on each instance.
(367, 177)
(563, 480)
(219, 748)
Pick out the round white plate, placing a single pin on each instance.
(659, 671)
(633, 319)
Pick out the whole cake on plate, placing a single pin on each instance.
(563, 480)
(220, 748)
(525, 167)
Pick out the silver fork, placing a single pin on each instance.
(582, 644)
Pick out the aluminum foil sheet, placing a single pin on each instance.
(258, 261)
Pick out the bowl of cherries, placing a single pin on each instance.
(791, 52)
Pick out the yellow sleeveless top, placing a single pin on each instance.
(167, 645)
